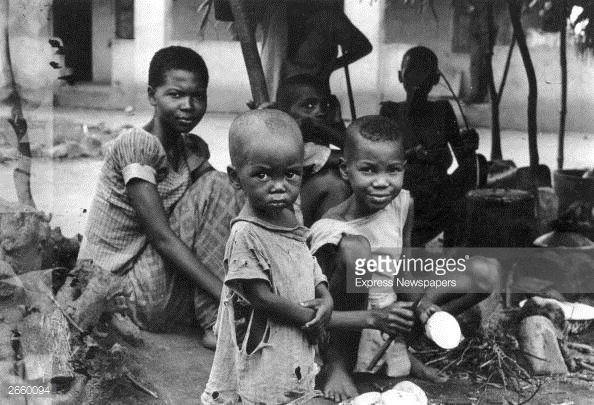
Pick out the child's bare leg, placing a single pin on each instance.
(338, 385)
(341, 356)
(420, 370)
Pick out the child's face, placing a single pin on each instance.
(180, 102)
(416, 79)
(375, 171)
(309, 103)
(271, 173)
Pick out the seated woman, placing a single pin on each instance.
(160, 218)
(430, 129)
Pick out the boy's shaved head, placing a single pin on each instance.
(260, 127)
(375, 128)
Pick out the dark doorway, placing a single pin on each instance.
(73, 24)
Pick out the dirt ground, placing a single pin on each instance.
(175, 365)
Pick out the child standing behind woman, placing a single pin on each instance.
(267, 329)
(307, 100)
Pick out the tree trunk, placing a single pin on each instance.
(245, 31)
(45, 345)
(44, 333)
(515, 12)
(563, 63)
(496, 153)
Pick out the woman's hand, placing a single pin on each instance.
(395, 319)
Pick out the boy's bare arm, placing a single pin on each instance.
(153, 220)
(408, 227)
(322, 132)
(394, 319)
(276, 307)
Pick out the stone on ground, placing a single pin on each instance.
(539, 341)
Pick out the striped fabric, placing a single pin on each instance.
(113, 238)
(199, 213)
(160, 296)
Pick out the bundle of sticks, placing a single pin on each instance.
(493, 358)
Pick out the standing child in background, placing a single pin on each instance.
(307, 100)
(266, 332)
(429, 126)
(382, 212)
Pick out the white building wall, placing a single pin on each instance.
(374, 78)
(103, 33)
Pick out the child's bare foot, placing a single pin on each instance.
(338, 384)
(209, 340)
(420, 370)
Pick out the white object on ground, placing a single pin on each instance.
(394, 397)
(573, 311)
(444, 330)
(369, 398)
(414, 389)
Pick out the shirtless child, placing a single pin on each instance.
(428, 128)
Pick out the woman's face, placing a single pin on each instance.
(180, 101)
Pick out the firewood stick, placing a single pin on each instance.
(141, 387)
(581, 347)
(586, 358)
(382, 350)
(68, 317)
(585, 365)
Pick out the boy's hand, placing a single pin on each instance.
(424, 309)
(323, 308)
(470, 139)
(417, 153)
(312, 130)
(394, 319)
